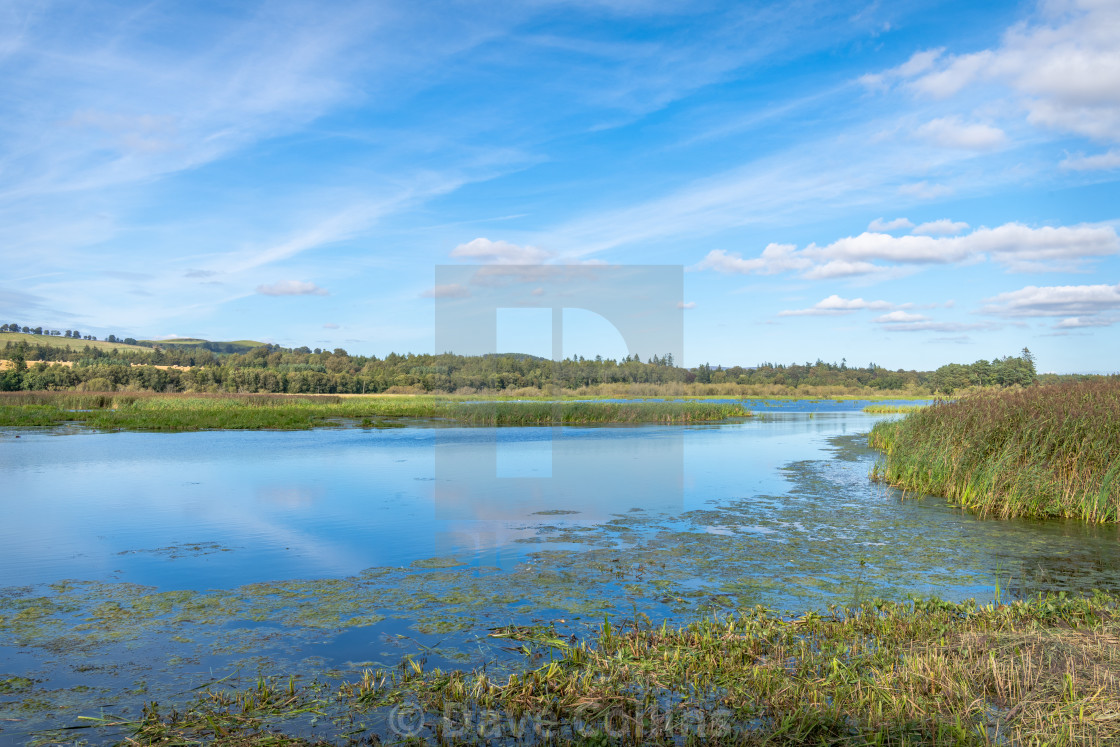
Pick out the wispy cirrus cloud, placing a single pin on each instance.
(1098, 162)
(924, 190)
(292, 288)
(836, 305)
(1081, 322)
(882, 225)
(929, 325)
(951, 132)
(446, 290)
(896, 317)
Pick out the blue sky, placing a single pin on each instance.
(908, 183)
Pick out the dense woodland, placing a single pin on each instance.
(44, 365)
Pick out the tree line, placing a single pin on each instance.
(270, 368)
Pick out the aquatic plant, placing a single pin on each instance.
(891, 409)
(921, 672)
(1047, 451)
(184, 412)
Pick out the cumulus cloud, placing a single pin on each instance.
(485, 251)
(1072, 301)
(943, 227)
(880, 225)
(1063, 65)
(291, 288)
(775, 258)
(841, 268)
(1015, 246)
(450, 290)
(686, 306)
(951, 132)
(836, 305)
(1098, 162)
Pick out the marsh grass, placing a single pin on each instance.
(1049, 451)
(924, 672)
(185, 412)
(891, 409)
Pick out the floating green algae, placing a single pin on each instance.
(773, 550)
(437, 563)
(15, 684)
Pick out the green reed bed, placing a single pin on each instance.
(1048, 451)
(197, 412)
(891, 409)
(926, 672)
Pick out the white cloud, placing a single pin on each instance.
(943, 227)
(131, 100)
(836, 305)
(923, 190)
(1060, 300)
(955, 74)
(686, 306)
(330, 325)
(291, 288)
(450, 290)
(775, 258)
(1063, 64)
(1098, 162)
(485, 251)
(881, 225)
(1015, 246)
(918, 63)
(932, 326)
(896, 317)
(841, 268)
(951, 132)
(1078, 322)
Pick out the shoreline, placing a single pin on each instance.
(919, 672)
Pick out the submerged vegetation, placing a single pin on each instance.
(168, 412)
(1050, 451)
(924, 672)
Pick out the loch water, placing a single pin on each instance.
(138, 564)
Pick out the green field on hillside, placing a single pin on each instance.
(63, 342)
(219, 346)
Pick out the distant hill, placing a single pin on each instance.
(234, 346)
(214, 346)
(65, 342)
(518, 356)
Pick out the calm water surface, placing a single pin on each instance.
(340, 548)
